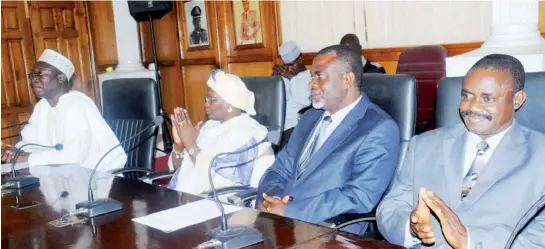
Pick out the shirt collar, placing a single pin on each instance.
(492, 141)
(341, 114)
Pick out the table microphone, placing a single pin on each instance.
(236, 236)
(15, 125)
(23, 181)
(529, 216)
(92, 207)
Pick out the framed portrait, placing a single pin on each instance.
(196, 24)
(247, 22)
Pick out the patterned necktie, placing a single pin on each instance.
(476, 167)
(314, 144)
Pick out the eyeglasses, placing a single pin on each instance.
(210, 99)
(37, 74)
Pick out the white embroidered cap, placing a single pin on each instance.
(60, 62)
(289, 51)
(231, 88)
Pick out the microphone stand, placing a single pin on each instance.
(529, 216)
(233, 237)
(19, 182)
(91, 207)
(167, 140)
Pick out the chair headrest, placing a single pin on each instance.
(396, 95)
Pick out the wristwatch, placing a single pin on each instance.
(192, 151)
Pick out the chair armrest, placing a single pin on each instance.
(243, 197)
(344, 220)
(157, 175)
(226, 190)
(130, 170)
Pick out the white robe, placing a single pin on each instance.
(76, 123)
(297, 97)
(214, 138)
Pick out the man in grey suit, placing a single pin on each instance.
(467, 185)
(342, 154)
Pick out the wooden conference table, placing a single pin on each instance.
(61, 187)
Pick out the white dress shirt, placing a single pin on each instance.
(469, 155)
(336, 119)
(297, 97)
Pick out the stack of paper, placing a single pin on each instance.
(183, 216)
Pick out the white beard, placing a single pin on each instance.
(318, 104)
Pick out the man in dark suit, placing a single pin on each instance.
(354, 42)
(342, 154)
(469, 184)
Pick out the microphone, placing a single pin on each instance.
(15, 125)
(529, 216)
(92, 207)
(23, 181)
(236, 236)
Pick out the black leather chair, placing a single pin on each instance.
(397, 96)
(530, 114)
(270, 106)
(129, 105)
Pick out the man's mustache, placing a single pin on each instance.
(478, 114)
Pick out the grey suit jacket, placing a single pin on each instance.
(510, 183)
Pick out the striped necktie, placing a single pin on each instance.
(314, 144)
(476, 167)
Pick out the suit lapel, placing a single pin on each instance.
(453, 159)
(508, 156)
(338, 136)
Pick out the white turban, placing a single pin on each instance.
(60, 62)
(289, 51)
(231, 88)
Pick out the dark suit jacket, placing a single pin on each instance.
(370, 68)
(348, 174)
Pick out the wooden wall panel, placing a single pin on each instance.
(196, 89)
(63, 26)
(17, 61)
(251, 69)
(102, 29)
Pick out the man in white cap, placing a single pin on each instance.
(296, 78)
(65, 117)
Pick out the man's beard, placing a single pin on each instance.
(318, 104)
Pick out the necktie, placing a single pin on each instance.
(476, 167)
(314, 144)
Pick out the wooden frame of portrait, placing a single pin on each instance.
(185, 13)
(260, 40)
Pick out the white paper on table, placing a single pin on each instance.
(6, 167)
(183, 216)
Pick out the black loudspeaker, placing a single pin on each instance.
(141, 10)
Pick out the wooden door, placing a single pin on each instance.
(62, 26)
(17, 61)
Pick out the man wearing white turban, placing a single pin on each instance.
(296, 78)
(67, 117)
(230, 128)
